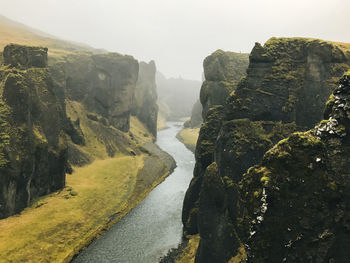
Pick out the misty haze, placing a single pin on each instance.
(175, 131)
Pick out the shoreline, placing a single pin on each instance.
(131, 204)
(188, 136)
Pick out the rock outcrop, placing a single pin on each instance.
(196, 116)
(104, 83)
(24, 57)
(287, 84)
(33, 149)
(98, 92)
(296, 203)
(145, 106)
(222, 71)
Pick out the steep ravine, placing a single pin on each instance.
(154, 226)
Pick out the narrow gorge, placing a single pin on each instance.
(142, 138)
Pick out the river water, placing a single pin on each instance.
(154, 226)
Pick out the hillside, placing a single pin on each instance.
(14, 32)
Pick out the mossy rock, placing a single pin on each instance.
(19, 56)
(33, 149)
(289, 80)
(295, 205)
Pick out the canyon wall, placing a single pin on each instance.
(295, 204)
(287, 85)
(33, 148)
(145, 106)
(66, 111)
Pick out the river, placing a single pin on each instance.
(154, 226)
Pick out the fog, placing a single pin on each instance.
(179, 34)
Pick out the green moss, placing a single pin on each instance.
(308, 140)
(4, 131)
(265, 92)
(332, 185)
(265, 180)
(331, 100)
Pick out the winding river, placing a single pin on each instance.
(154, 226)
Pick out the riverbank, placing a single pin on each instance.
(56, 227)
(189, 136)
(154, 226)
(185, 252)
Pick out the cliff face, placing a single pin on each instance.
(145, 106)
(287, 84)
(288, 72)
(196, 116)
(104, 83)
(222, 71)
(78, 110)
(296, 203)
(33, 149)
(98, 92)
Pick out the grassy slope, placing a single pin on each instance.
(13, 32)
(56, 227)
(189, 252)
(161, 122)
(189, 136)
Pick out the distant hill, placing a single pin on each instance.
(14, 32)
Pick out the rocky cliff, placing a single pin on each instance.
(296, 203)
(287, 84)
(98, 92)
(104, 83)
(33, 149)
(196, 116)
(222, 71)
(145, 106)
(77, 109)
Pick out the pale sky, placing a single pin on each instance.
(179, 34)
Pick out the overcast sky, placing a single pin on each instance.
(179, 34)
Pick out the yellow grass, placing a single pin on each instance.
(54, 228)
(189, 136)
(12, 32)
(139, 131)
(189, 252)
(240, 257)
(161, 122)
